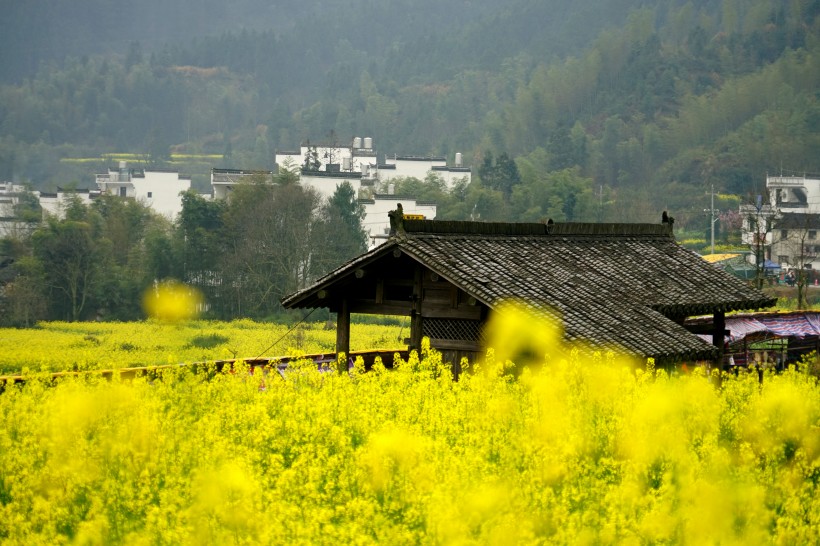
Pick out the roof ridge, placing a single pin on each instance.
(463, 227)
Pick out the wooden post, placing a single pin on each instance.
(718, 336)
(415, 314)
(343, 336)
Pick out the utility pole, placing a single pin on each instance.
(758, 245)
(713, 216)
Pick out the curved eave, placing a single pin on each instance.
(693, 309)
(308, 298)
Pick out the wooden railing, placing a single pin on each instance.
(324, 362)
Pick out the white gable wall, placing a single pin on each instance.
(326, 184)
(376, 221)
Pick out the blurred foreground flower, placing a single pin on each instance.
(171, 301)
(519, 335)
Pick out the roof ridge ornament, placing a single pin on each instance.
(396, 220)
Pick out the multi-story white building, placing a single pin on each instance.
(324, 167)
(157, 188)
(796, 223)
(786, 228)
(361, 157)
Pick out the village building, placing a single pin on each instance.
(161, 190)
(54, 204)
(325, 183)
(223, 181)
(361, 157)
(357, 157)
(11, 225)
(784, 227)
(624, 287)
(421, 166)
(766, 340)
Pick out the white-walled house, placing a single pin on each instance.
(10, 194)
(54, 204)
(158, 189)
(420, 166)
(409, 166)
(361, 157)
(376, 221)
(787, 227)
(357, 164)
(10, 224)
(224, 180)
(325, 183)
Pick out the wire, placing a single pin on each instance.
(286, 334)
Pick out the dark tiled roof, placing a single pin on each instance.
(614, 285)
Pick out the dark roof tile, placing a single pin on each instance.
(612, 284)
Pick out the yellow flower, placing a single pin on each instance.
(172, 301)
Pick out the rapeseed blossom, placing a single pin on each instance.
(172, 301)
(567, 447)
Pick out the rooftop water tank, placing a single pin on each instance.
(458, 159)
(368, 142)
(357, 142)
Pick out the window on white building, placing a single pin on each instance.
(150, 194)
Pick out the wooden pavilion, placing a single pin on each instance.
(627, 287)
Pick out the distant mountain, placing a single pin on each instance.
(644, 100)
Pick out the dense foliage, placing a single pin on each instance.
(610, 110)
(243, 254)
(576, 450)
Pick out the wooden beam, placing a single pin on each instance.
(343, 336)
(388, 307)
(462, 312)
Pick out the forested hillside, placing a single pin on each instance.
(609, 109)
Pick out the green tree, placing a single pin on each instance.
(499, 174)
(198, 242)
(267, 237)
(288, 172)
(68, 254)
(338, 232)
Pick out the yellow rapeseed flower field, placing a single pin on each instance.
(62, 346)
(567, 447)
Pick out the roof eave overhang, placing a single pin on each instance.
(308, 298)
(694, 309)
